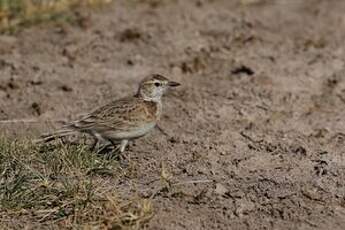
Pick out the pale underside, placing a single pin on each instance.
(118, 135)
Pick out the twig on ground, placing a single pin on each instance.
(158, 190)
(28, 121)
(162, 131)
(192, 182)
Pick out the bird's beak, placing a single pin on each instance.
(173, 84)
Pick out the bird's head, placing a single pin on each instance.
(154, 86)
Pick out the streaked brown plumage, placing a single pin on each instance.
(124, 119)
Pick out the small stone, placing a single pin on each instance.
(66, 88)
(221, 189)
(37, 108)
(244, 207)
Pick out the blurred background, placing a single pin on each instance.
(18, 12)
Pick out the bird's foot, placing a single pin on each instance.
(111, 152)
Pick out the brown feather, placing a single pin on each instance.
(123, 114)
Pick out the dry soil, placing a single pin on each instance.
(258, 123)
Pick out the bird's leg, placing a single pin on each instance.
(100, 144)
(95, 144)
(96, 140)
(119, 149)
(123, 159)
(123, 145)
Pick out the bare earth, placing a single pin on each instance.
(261, 113)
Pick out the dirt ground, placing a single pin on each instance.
(258, 123)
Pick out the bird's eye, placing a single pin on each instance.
(157, 84)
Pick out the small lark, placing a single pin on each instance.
(122, 120)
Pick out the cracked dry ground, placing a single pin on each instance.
(260, 113)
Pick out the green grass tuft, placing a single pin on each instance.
(62, 185)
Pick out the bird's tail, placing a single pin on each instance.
(55, 135)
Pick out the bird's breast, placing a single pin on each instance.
(153, 109)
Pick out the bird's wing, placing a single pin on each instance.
(124, 114)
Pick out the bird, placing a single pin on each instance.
(122, 120)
